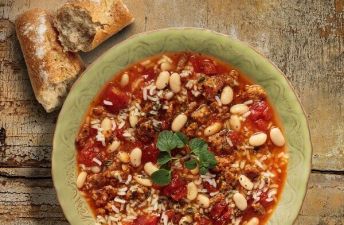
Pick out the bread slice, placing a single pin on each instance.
(51, 70)
(84, 24)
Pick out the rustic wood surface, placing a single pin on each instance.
(305, 39)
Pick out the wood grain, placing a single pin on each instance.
(304, 39)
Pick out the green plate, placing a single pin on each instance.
(236, 53)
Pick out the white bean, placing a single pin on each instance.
(185, 220)
(226, 95)
(162, 80)
(212, 129)
(95, 169)
(203, 201)
(257, 139)
(165, 66)
(143, 181)
(114, 146)
(195, 171)
(277, 137)
(106, 124)
(169, 95)
(253, 221)
(133, 119)
(123, 157)
(175, 83)
(124, 80)
(179, 122)
(245, 182)
(80, 181)
(135, 157)
(192, 191)
(240, 201)
(235, 123)
(150, 168)
(239, 109)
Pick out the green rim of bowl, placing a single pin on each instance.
(140, 46)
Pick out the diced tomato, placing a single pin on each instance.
(146, 220)
(86, 156)
(261, 124)
(203, 221)
(173, 216)
(150, 153)
(209, 187)
(118, 98)
(150, 73)
(235, 137)
(176, 189)
(203, 65)
(87, 153)
(263, 198)
(118, 133)
(220, 213)
(218, 208)
(260, 114)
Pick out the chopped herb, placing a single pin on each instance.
(162, 177)
(108, 163)
(201, 79)
(191, 164)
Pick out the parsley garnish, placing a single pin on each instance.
(168, 141)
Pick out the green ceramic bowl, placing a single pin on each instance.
(236, 53)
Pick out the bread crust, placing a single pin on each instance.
(111, 16)
(51, 70)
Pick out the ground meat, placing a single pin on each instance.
(182, 62)
(223, 167)
(221, 111)
(231, 78)
(191, 130)
(254, 92)
(218, 142)
(217, 198)
(145, 131)
(191, 108)
(251, 172)
(201, 115)
(95, 181)
(98, 111)
(212, 85)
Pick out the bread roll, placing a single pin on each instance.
(51, 70)
(84, 24)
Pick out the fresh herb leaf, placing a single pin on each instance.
(183, 138)
(166, 141)
(161, 177)
(203, 170)
(164, 157)
(206, 158)
(191, 164)
(197, 145)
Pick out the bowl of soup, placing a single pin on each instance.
(181, 126)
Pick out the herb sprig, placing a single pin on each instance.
(200, 155)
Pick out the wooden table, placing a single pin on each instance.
(304, 38)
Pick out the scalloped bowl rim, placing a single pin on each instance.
(81, 213)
